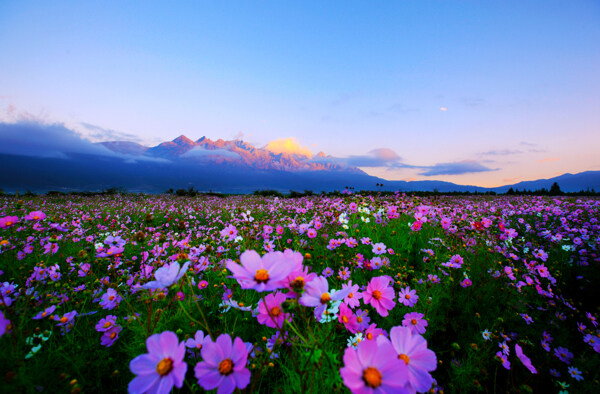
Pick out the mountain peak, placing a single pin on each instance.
(183, 140)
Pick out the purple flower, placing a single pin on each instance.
(47, 312)
(223, 365)
(160, 368)
(563, 354)
(524, 359)
(106, 323)
(504, 359)
(408, 297)
(110, 299)
(4, 324)
(415, 322)
(198, 341)
(266, 273)
(66, 319)
(412, 349)
(575, 373)
(374, 368)
(109, 337)
(168, 275)
(316, 294)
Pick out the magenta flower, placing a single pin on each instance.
(347, 318)
(412, 349)
(374, 368)
(524, 359)
(408, 297)
(8, 221)
(264, 274)
(35, 215)
(466, 283)
(373, 332)
(109, 337)
(415, 322)
(380, 295)
(504, 359)
(270, 311)
(223, 365)
(316, 294)
(162, 367)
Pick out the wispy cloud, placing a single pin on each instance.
(548, 159)
(456, 168)
(201, 152)
(501, 152)
(381, 157)
(98, 133)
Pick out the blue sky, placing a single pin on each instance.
(511, 87)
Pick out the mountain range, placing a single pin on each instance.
(222, 166)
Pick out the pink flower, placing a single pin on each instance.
(524, 359)
(347, 318)
(415, 322)
(106, 323)
(374, 368)
(264, 274)
(373, 332)
(408, 297)
(8, 221)
(312, 233)
(412, 349)
(160, 368)
(379, 248)
(466, 283)
(223, 365)
(270, 311)
(35, 215)
(229, 232)
(352, 299)
(4, 324)
(380, 295)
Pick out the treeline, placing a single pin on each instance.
(191, 192)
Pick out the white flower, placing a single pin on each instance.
(166, 276)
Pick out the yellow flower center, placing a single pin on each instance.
(262, 275)
(110, 298)
(44, 314)
(275, 311)
(404, 358)
(359, 319)
(164, 366)
(107, 324)
(372, 377)
(36, 217)
(369, 336)
(113, 335)
(407, 296)
(350, 295)
(64, 319)
(325, 298)
(9, 223)
(226, 367)
(377, 294)
(413, 322)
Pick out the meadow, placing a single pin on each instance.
(361, 293)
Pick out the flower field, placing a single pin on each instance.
(362, 293)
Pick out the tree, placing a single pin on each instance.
(555, 189)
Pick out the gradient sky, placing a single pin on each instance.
(472, 92)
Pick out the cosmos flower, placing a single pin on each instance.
(4, 324)
(408, 297)
(110, 299)
(347, 318)
(35, 215)
(223, 365)
(524, 359)
(45, 313)
(374, 368)
(198, 341)
(354, 296)
(270, 311)
(317, 294)
(264, 274)
(380, 295)
(412, 349)
(110, 336)
(8, 221)
(167, 275)
(106, 323)
(161, 368)
(415, 322)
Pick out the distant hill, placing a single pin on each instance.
(65, 162)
